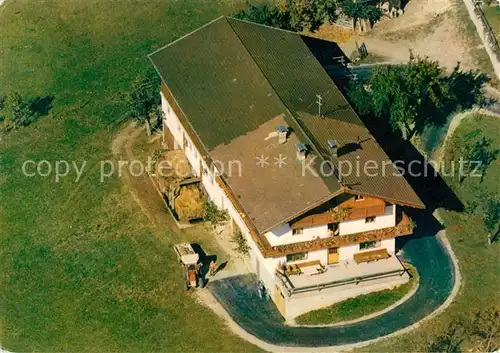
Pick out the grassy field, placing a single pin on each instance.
(478, 262)
(492, 14)
(82, 268)
(363, 305)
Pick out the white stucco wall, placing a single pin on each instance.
(174, 125)
(283, 235)
(346, 252)
(172, 122)
(359, 225)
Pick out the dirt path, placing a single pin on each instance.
(126, 146)
(430, 28)
(140, 186)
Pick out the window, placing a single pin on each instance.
(369, 245)
(296, 257)
(359, 197)
(297, 231)
(333, 228)
(187, 145)
(370, 219)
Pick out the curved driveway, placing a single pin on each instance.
(260, 318)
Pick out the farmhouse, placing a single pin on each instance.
(266, 130)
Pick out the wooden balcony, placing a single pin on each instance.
(403, 227)
(357, 209)
(348, 210)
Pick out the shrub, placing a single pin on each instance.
(214, 215)
(241, 243)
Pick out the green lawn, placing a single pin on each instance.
(492, 14)
(81, 268)
(478, 262)
(357, 307)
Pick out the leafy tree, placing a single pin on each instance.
(294, 15)
(449, 341)
(491, 214)
(144, 99)
(479, 333)
(310, 14)
(17, 112)
(419, 94)
(481, 152)
(371, 13)
(359, 97)
(484, 332)
(360, 11)
(267, 15)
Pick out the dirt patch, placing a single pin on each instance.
(433, 28)
(140, 187)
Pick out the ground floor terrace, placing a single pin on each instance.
(317, 285)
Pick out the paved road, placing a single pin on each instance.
(260, 318)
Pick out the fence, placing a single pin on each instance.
(485, 32)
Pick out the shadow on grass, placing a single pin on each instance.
(41, 106)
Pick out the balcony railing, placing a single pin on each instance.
(288, 285)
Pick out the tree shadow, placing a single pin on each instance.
(204, 259)
(41, 106)
(331, 57)
(420, 174)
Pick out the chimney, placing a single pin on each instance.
(282, 134)
(301, 151)
(334, 146)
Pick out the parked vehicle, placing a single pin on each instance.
(189, 261)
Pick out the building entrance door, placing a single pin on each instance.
(333, 255)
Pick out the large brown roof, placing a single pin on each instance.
(237, 81)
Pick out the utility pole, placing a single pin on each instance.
(319, 104)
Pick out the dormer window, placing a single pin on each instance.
(359, 197)
(297, 231)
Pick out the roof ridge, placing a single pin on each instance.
(186, 35)
(262, 25)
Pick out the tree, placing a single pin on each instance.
(419, 94)
(449, 341)
(294, 15)
(491, 214)
(144, 99)
(359, 97)
(310, 14)
(484, 332)
(479, 333)
(360, 11)
(267, 15)
(480, 152)
(17, 112)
